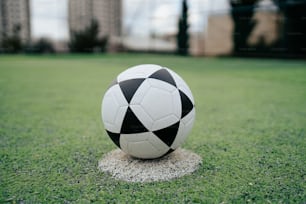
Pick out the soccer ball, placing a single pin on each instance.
(148, 111)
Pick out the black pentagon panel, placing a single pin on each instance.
(113, 83)
(169, 151)
(187, 105)
(115, 137)
(131, 124)
(168, 134)
(163, 75)
(129, 87)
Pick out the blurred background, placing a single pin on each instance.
(252, 28)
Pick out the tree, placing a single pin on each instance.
(294, 38)
(12, 43)
(43, 45)
(87, 40)
(242, 12)
(183, 36)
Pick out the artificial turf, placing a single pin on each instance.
(250, 130)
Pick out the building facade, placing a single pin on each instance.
(14, 18)
(217, 40)
(107, 13)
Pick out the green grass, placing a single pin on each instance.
(250, 130)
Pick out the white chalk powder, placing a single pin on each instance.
(123, 167)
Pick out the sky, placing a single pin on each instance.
(49, 19)
(140, 17)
